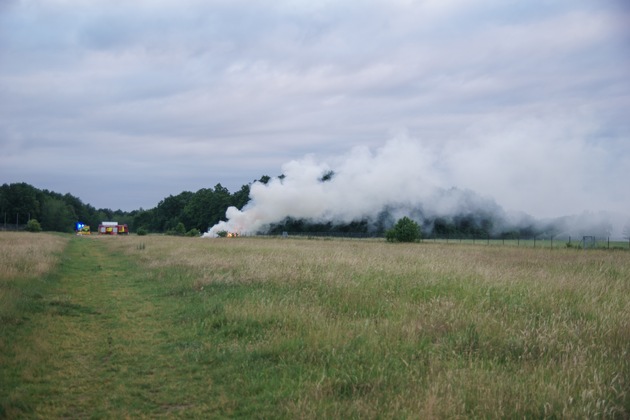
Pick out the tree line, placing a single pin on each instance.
(21, 202)
(196, 212)
(187, 210)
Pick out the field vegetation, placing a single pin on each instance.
(150, 326)
(25, 260)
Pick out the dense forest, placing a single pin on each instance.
(21, 202)
(195, 212)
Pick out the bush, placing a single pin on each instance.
(390, 235)
(141, 231)
(405, 230)
(193, 232)
(33, 226)
(180, 230)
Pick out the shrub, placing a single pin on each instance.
(405, 230)
(193, 232)
(141, 231)
(33, 226)
(180, 230)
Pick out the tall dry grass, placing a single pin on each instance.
(429, 330)
(25, 259)
(28, 255)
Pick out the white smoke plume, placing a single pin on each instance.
(399, 176)
(403, 177)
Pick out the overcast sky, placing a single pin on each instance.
(123, 103)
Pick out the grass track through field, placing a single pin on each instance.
(148, 327)
(103, 343)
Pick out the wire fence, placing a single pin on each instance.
(12, 227)
(541, 241)
(580, 242)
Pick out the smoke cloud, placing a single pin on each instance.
(399, 177)
(404, 177)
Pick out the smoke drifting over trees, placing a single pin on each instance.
(371, 190)
(364, 192)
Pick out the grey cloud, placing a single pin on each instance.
(219, 88)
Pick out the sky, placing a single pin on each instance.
(125, 103)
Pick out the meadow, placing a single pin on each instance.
(156, 326)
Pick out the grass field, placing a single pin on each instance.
(145, 327)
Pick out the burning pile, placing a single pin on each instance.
(226, 234)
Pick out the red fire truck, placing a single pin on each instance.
(112, 228)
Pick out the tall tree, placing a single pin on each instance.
(241, 197)
(18, 202)
(143, 219)
(57, 215)
(169, 211)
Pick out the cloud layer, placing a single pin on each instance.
(125, 103)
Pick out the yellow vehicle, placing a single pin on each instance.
(82, 229)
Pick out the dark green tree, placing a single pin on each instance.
(327, 176)
(178, 230)
(208, 206)
(143, 219)
(405, 230)
(199, 210)
(19, 202)
(170, 211)
(57, 215)
(241, 197)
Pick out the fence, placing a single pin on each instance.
(540, 241)
(12, 227)
(583, 242)
(332, 234)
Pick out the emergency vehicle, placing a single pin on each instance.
(112, 228)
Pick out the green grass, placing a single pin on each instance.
(284, 328)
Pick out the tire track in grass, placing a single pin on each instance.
(102, 334)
